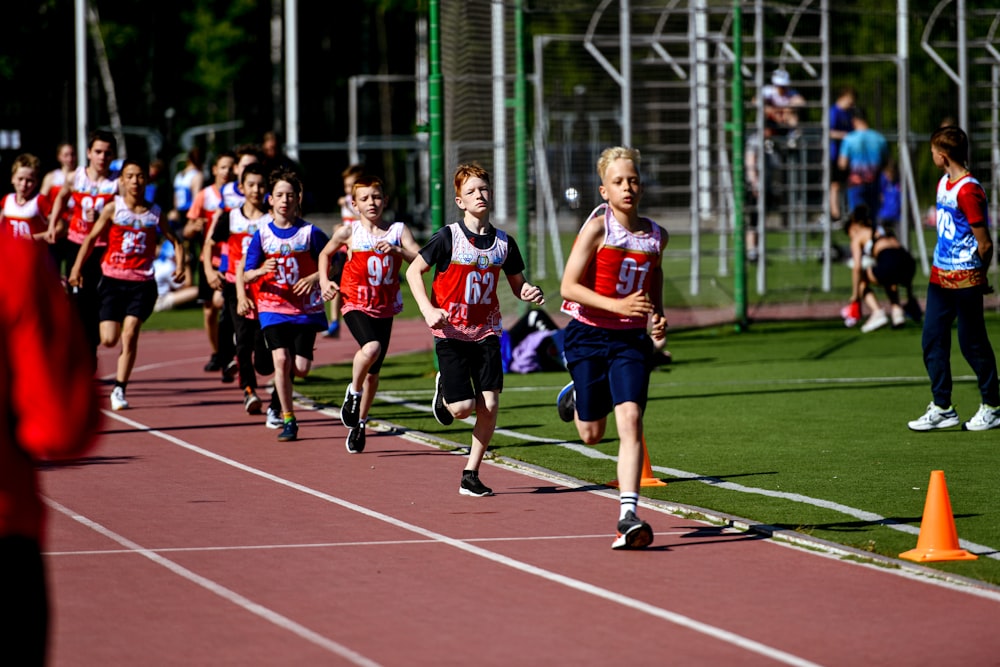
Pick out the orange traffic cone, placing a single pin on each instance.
(938, 539)
(647, 470)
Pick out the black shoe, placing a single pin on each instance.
(356, 439)
(230, 372)
(289, 432)
(912, 309)
(471, 486)
(350, 411)
(441, 412)
(566, 403)
(633, 533)
(213, 365)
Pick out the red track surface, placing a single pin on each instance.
(190, 536)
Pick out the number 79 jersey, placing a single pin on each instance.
(622, 265)
(468, 288)
(370, 282)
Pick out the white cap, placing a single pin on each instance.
(780, 78)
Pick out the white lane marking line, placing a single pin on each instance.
(982, 550)
(712, 631)
(223, 592)
(331, 545)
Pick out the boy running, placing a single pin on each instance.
(371, 296)
(23, 212)
(613, 289)
(127, 290)
(463, 313)
(283, 257)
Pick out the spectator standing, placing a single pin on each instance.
(863, 154)
(841, 124)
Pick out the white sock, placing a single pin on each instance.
(629, 503)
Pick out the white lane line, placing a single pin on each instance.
(743, 643)
(982, 550)
(232, 596)
(337, 545)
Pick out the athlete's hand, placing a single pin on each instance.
(245, 306)
(328, 288)
(637, 303)
(658, 331)
(75, 279)
(435, 318)
(532, 293)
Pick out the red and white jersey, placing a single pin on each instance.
(468, 288)
(208, 204)
(295, 260)
(370, 282)
(89, 198)
(57, 184)
(241, 230)
(622, 266)
(25, 220)
(131, 243)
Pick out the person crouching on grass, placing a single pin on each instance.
(283, 257)
(369, 283)
(127, 291)
(613, 289)
(463, 313)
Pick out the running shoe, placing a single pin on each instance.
(118, 401)
(936, 417)
(876, 320)
(566, 403)
(356, 439)
(289, 432)
(912, 308)
(986, 417)
(273, 420)
(213, 365)
(633, 533)
(350, 411)
(471, 486)
(251, 402)
(441, 412)
(898, 317)
(230, 371)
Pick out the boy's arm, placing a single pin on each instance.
(244, 304)
(524, 290)
(180, 257)
(55, 215)
(409, 247)
(434, 317)
(341, 236)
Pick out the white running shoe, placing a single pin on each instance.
(898, 317)
(936, 417)
(876, 320)
(118, 401)
(986, 417)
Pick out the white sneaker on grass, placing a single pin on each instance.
(876, 320)
(986, 417)
(935, 417)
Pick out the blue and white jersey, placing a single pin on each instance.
(956, 248)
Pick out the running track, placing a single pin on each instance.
(190, 536)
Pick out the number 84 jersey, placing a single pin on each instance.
(468, 288)
(622, 265)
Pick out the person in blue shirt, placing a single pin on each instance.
(863, 154)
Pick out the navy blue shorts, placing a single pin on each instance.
(609, 367)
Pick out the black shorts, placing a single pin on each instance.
(299, 338)
(366, 329)
(469, 368)
(121, 298)
(894, 266)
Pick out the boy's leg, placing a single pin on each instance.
(130, 347)
(936, 342)
(974, 342)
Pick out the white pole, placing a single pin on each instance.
(292, 79)
(81, 80)
(499, 115)
(625, 37)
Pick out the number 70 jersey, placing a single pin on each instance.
(468, 288)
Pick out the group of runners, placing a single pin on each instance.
(265, 275)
